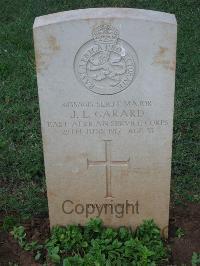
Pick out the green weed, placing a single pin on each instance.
(179, 233)
(95, 244)
(195, 259)
(9, 222)
(19, 234)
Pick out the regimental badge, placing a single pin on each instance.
(106, 64)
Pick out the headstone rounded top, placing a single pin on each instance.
(92, 13)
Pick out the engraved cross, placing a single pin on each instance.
(108, 163)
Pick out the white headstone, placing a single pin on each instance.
(106, 90)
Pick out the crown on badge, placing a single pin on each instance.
(105, 33)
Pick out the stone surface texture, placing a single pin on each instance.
(106, 90)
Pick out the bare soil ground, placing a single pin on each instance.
(188, 218)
